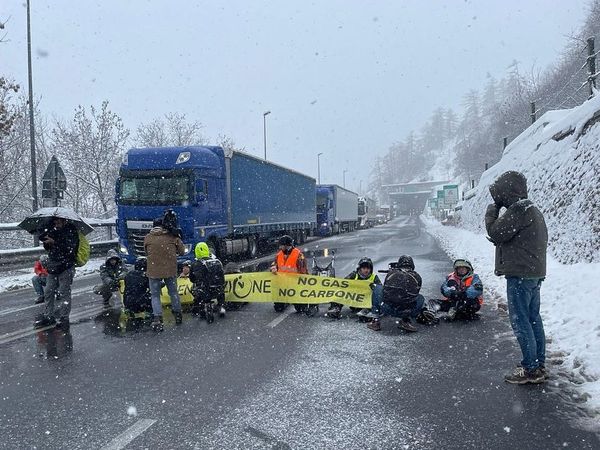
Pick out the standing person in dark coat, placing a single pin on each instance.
(521, 239)
(61, 243)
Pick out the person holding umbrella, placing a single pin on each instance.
(58, 231)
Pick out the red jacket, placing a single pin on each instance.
(39, 269)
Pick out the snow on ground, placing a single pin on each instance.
(19, 279)
(570, 304)
(560, 156)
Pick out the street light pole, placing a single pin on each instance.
(34, 195)
(344, 175)
(319, 168)
(265, 114)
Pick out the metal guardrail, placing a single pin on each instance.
(25, 257)
(13, 226)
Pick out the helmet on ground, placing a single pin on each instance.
(201, 250)
(406, 262)
(365, 262)
(286, 240)
(140, 263)
(463, 263)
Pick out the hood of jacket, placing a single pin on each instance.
(157, 231)
(112, 254)
(509, 188)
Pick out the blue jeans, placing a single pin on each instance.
(385, 309)
(171, 284)
(524, 312)
(38, 285)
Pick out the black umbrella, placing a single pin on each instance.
(43, 217)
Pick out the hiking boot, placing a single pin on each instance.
(374, 325)
(39, 300)
(311, 310)
(522, 376)
(546, 374)
(334, 312)
(406, 325)
(451, 313)
(157, 324)
(222, 311)
(43, 320)
(178, 317)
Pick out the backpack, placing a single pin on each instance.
(83, 250)
(400, 289)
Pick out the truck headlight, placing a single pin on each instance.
(123, 249)
(188, 247)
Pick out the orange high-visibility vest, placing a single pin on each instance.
(288, 264)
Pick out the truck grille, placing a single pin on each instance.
(136, 241)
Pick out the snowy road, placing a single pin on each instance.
(251, 381)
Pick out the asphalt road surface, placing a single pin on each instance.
(261, 379)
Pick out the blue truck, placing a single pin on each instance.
(337, 209)
(232, 200)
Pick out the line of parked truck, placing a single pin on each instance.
(235, 202)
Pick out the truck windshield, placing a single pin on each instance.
(155, 190)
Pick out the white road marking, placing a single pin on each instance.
(23, 332)
(23, 308)
(129, 434)
(281, 318)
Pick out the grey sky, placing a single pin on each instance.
(347, 78)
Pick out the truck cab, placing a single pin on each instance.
(188, 180)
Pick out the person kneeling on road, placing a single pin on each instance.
(111, 272)
(363, 272)
(208, 277)
(462, 291)
(136, 295)
(401, 296)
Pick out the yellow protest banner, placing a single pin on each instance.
(265, 287)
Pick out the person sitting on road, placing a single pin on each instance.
(289, 259)
(462, 291)
(136, 294)
(185, 270)
(111, 272)
(401, 296)
(364, 272)
(208, 277)
(39, 279)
